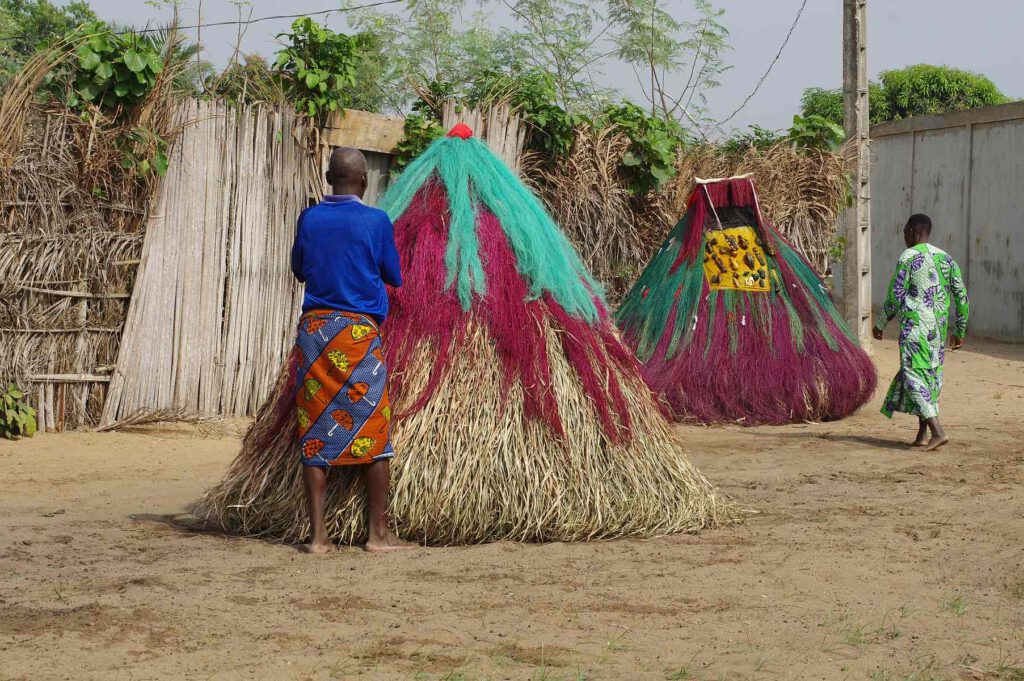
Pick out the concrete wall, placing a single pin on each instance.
(966, 171)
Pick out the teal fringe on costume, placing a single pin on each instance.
(540, 248)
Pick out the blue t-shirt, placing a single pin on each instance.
(345, 253)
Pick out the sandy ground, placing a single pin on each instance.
(864, 560)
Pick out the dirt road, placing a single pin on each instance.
(863, 560)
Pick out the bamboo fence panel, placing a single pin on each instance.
(215, 303)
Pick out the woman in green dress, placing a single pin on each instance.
(926, 283)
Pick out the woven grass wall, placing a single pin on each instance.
(208, 320)
(70, 236)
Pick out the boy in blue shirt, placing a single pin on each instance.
(345, 253)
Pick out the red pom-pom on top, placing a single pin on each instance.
(461, 130)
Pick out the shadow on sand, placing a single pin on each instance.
(866, 440)
(186, 523)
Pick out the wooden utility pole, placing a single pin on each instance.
(856, 221)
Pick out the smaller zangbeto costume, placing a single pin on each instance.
(734, 325)
(920, 295)
(345, 254)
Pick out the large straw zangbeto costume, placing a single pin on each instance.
(733, 324)
(519, 413)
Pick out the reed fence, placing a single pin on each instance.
(214, 304)
(502, 130)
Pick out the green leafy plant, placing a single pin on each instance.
(532, 94)
(922, 89)
(17, 419)
(815, 132)
(838, 250)
(654, 142)
(184, 59)
(420, 130)
(319, 66)
(144, 152)
(113, 71)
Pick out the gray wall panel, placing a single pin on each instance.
(965, 170)
(996, 277)
(890, 205)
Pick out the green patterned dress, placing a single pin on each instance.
(926, 282)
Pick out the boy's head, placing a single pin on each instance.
(346, 171)
(917, 230)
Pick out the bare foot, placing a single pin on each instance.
(936, 442)
(922, 436)
(318, 548)
(389, 542)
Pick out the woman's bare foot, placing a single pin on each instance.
(936, 442)
(318, 548)
(389, 542)
(920, 442)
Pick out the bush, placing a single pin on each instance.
(756, 138)
(654, 142)
(113, 71)
(17, 419)
(912, 91)
(420, 128)
(319, 66)
(924, 89)
(27, 24)
(815, 132)
(248, 82)
(828, 104)
(532, 94)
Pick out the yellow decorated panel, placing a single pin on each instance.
(735, 259)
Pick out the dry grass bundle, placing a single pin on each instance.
(617, 233)
(595, 208)
(472, 467)
(160, 417)
(18, 96)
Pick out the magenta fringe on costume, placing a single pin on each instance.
(425, 308)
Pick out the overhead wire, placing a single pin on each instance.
(778, 54)
(244, 22)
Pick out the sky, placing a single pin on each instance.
(983, 36)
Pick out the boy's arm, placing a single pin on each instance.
(390, 265)
(297, 250)
(956, 284)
